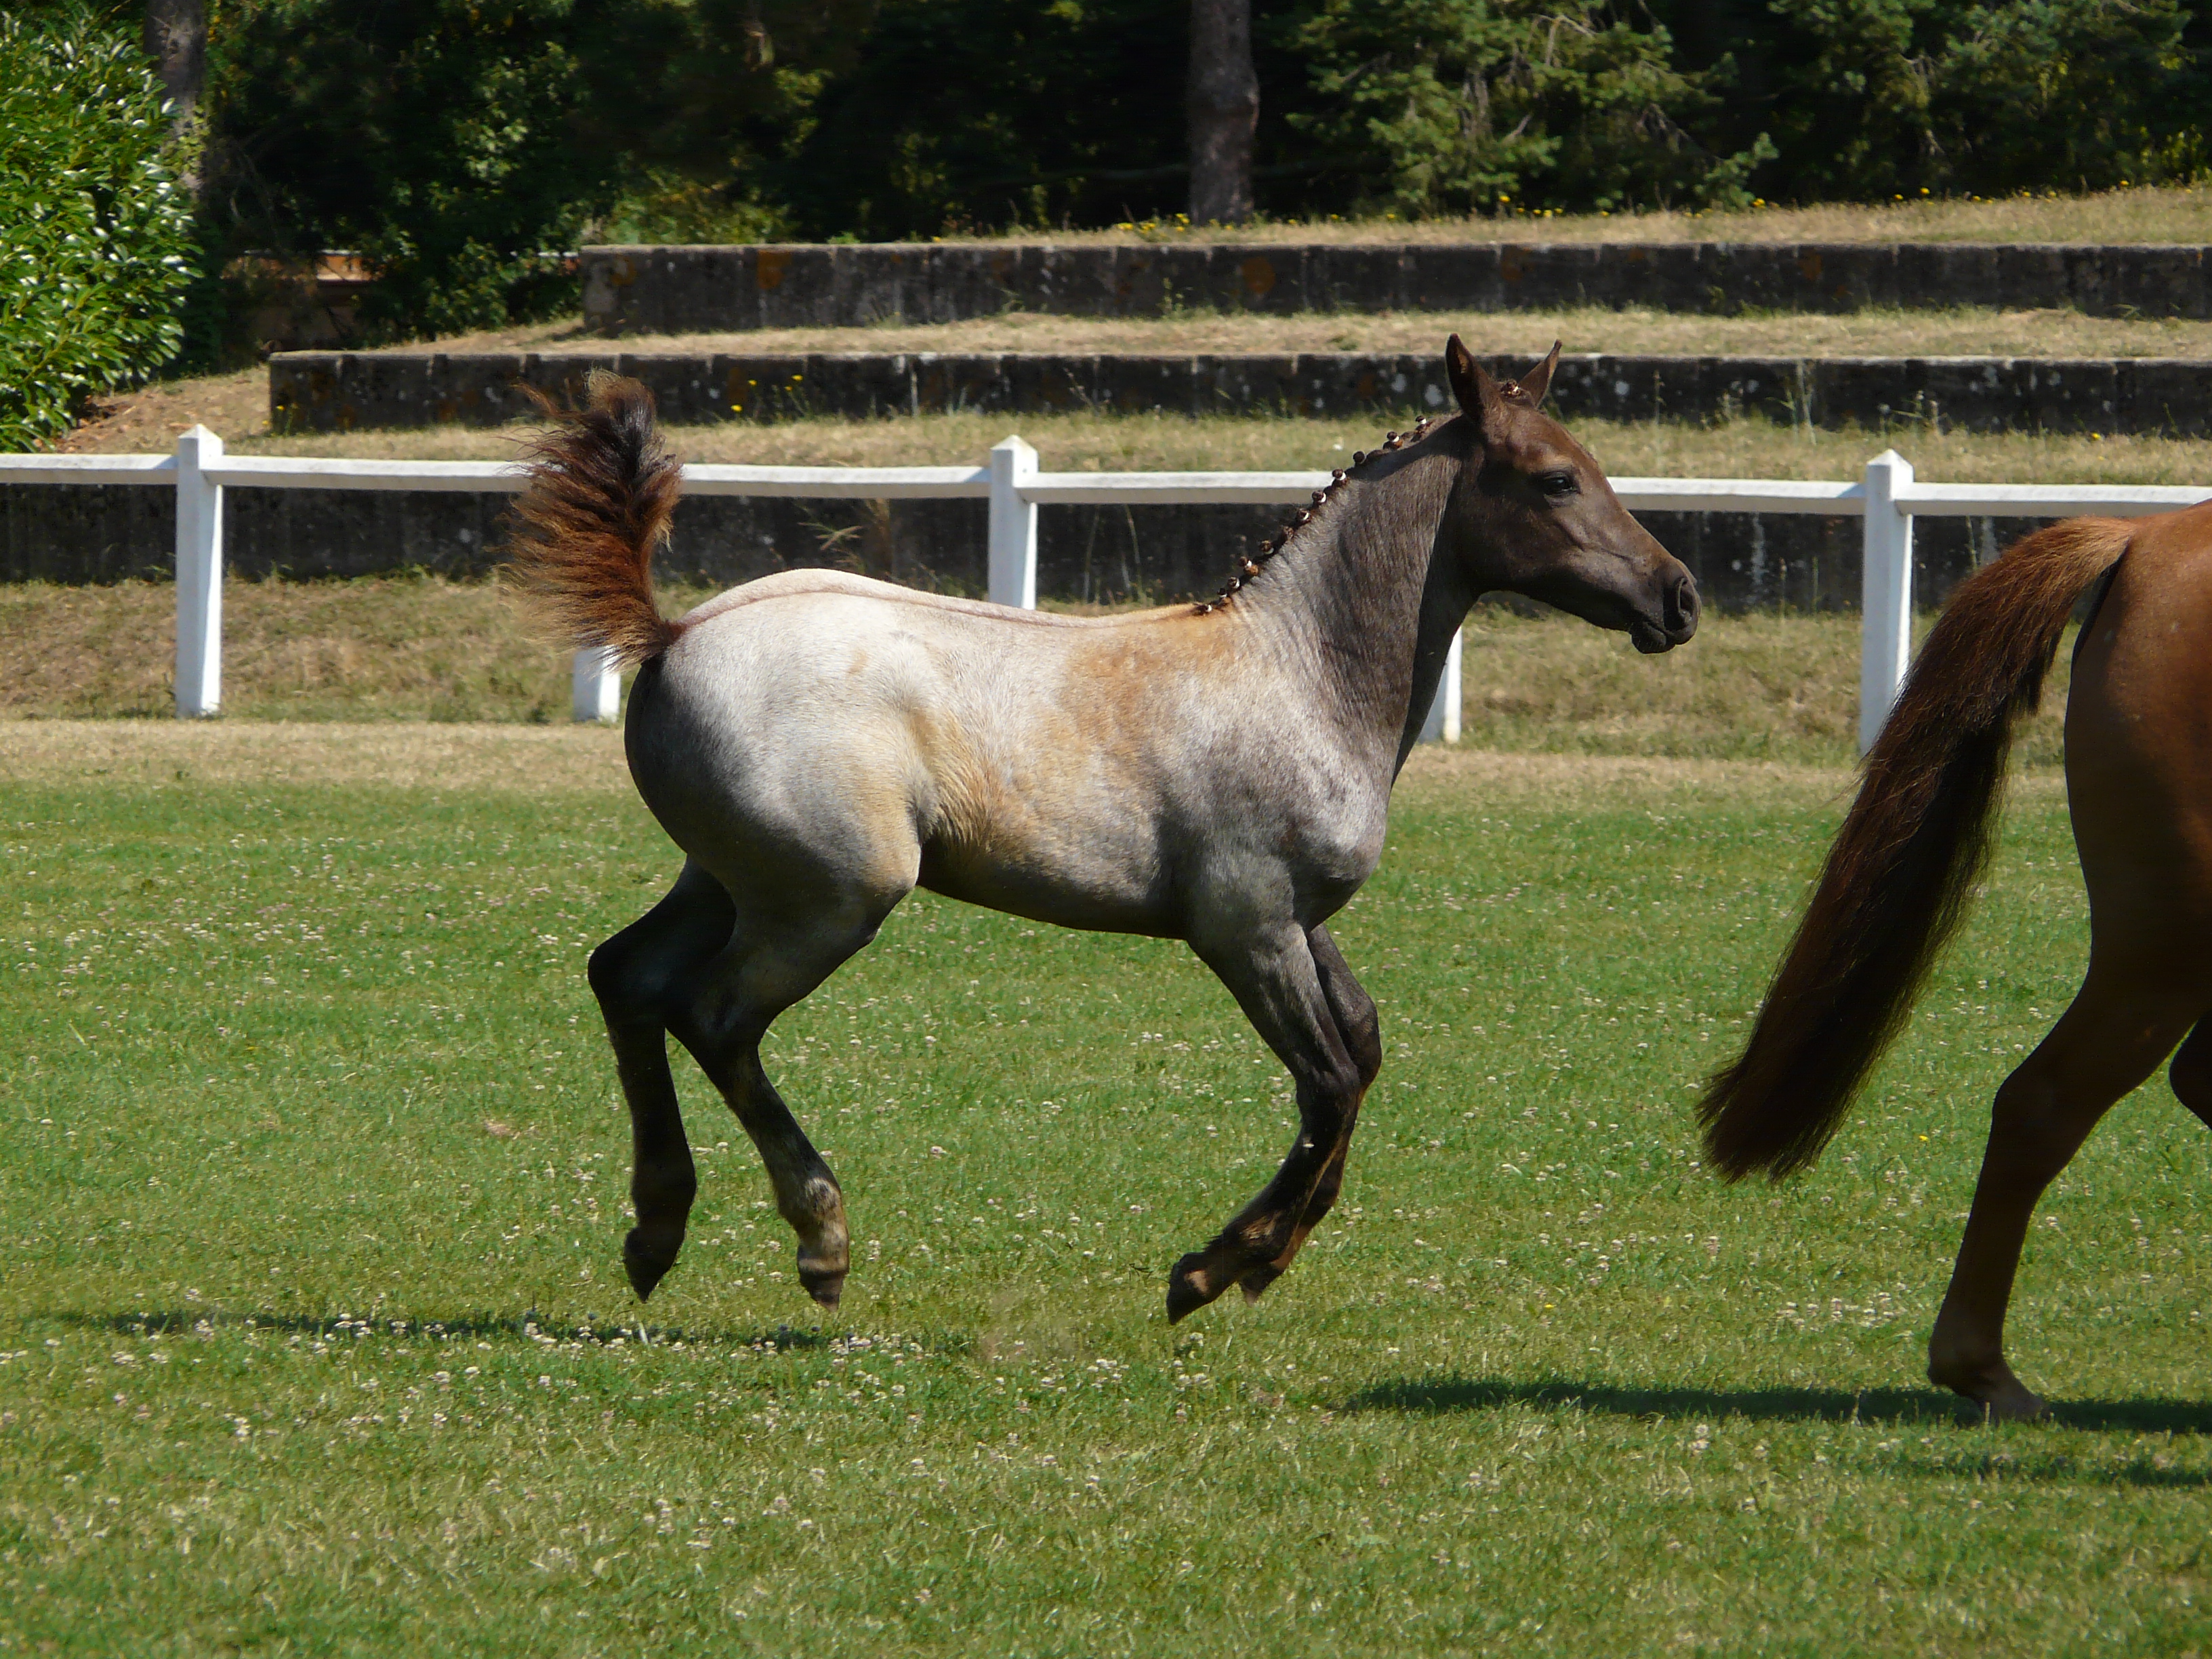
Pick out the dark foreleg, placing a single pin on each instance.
(1278, 982)
(639, 975)
(1361, 1028)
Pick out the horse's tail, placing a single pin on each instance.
(602, 489)
(1898, 878)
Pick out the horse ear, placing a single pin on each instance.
(1478, 394)
(1538, 380)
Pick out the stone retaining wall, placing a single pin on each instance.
(683, 290)
(1111, 555)
(337, 392)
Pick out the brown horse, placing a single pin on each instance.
(820, 745)
(2139, 782)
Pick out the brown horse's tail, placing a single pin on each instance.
(1897, 880)
(602, 489)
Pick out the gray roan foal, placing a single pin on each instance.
(819, 745)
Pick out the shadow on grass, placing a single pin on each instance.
(1902, 1407)
(524, 1328)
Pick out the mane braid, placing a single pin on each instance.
(1249, 565)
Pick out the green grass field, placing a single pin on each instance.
(314, 1337)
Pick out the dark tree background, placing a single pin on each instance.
(463, 147)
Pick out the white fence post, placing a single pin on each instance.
(1013, 525)
(199, 576)
(1886, 593)
(595, 685)
(1443, 723)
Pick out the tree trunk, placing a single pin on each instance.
(1225, 111)
(176, 39)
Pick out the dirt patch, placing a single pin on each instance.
(150, 419)
(1436, 775)
(154, 754)
(588, 759)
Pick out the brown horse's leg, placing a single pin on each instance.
(2113, 1036)
(1276, 980)
(1361, 1028)
(2191, 1073)
(739, 994)
(639, 976)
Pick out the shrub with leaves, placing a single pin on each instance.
(94, 232)
(1459, 105)
(461, 147)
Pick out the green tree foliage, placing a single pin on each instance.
(1870, 99)
(94, 230)
(463, 146)
(983, 114)
(1453, 106)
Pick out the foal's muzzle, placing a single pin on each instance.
(1677, 614)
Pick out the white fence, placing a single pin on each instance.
(1887, 499)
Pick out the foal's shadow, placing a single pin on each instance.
(480, 1326)
(1900, 1407)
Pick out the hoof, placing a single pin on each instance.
(1190, 1287)
(1995, 1394)
(824, 1288)
(2012, 1402)
(647, 1260)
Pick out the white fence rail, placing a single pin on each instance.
(1887, 499)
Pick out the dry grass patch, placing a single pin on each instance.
(1764, 687)
(1741, 449)
(472, 759)
(134, 422)
(1760, 686)
(2173, 212)
(1958, 331)
(397, 647)
(558, 760)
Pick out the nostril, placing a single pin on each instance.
(1684, 601)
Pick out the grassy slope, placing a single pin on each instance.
(289, 1056)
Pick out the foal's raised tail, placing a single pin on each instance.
(602, 489)
(1897, 880)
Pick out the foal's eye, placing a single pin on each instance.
(1557, 486)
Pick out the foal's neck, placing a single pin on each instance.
(1362, 588)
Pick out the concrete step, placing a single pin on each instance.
(337, 391)
(685, 290)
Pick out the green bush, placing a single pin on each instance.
(94, 232)
(462, 147)
(1461, 106)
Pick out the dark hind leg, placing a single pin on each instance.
(1278, 982)
(768, 965)
(2117, 1029)
(2191, 1073)
(1361, 1028)
(640, 976)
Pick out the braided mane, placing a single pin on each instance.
(1249, 565)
